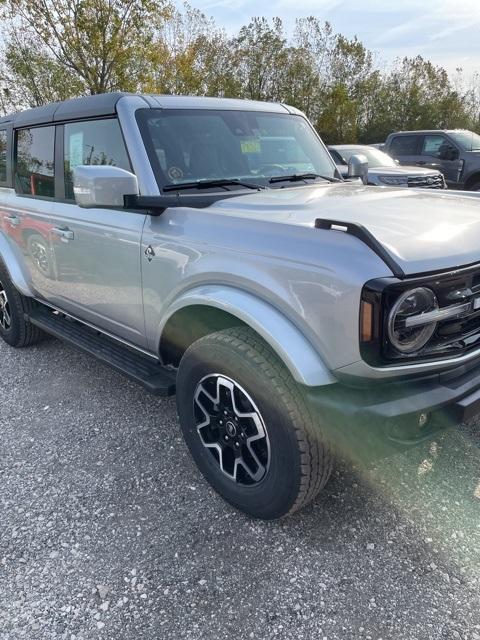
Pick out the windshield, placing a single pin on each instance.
(375, 157)
(186, 146)
(468, 140)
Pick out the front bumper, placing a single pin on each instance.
(383, 417)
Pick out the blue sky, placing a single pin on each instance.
(445, 31)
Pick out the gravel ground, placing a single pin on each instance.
(107, 530)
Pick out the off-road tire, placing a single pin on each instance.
(300, 458)
(20, 332)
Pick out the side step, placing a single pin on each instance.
(133, 364)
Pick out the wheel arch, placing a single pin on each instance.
(209, 309)
(11, 258)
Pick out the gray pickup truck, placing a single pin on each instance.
(210, 248)
(456, 153)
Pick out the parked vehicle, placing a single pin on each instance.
(383, 170)
(456, 153)
(209, 247)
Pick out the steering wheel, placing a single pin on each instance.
(271, 169)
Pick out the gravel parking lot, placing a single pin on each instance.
(107, 530)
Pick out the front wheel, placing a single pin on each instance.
(248, 426)
(475, 186)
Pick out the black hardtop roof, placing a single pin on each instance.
(85, 107)
(105, 104)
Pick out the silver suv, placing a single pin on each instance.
(210, 247)
(384, 170)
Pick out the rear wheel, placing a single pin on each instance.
(14, 329)
(247, 425)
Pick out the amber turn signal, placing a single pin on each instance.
(366, 321)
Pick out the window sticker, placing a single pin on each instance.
(250, 145)
(76, 149)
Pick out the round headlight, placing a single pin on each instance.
(408, 339)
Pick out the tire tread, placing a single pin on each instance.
(316, 456)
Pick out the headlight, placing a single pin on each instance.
(394, 180)
(406, 331)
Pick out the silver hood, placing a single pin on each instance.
(422, 230)
(406, 171)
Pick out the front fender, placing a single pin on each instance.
(11, 258)
(291, 346)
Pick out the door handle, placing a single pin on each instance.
(64, 233)
(13, 221)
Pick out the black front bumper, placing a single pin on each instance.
(382, 417)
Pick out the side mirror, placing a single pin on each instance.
(358, 168)
(103, 186)
(447, 152)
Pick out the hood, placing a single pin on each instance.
(412, 172)
(423, 231)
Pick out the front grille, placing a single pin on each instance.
(428, 182)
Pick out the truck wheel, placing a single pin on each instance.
(475, 186)
(248, 426)
(14, 330)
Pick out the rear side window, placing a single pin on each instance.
(94, 142)
(403, 146)
(34, 161)
(3, 156)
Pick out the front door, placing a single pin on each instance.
(98, 279)
(433, 155)
(98, 251)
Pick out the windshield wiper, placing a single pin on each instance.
(208, 184)
(297, 177)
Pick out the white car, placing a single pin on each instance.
(384, 170)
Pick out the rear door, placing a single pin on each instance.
(97, 252)
(406, 149)
(26, 209)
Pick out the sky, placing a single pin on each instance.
(447, 32)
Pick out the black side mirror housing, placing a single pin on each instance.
(447, 152)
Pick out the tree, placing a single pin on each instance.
(85, 46)
(259, 60)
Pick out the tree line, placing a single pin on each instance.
(56, 49)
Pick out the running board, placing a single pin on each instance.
(134, 365)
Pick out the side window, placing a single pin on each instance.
(432, 145)
(3, 156)
(34, 161)
(337, 158)
(403, 146)
(93, 142)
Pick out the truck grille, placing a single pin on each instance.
(428, 182)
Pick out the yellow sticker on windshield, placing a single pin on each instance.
(250, 145)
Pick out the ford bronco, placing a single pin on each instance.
(209, 247)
